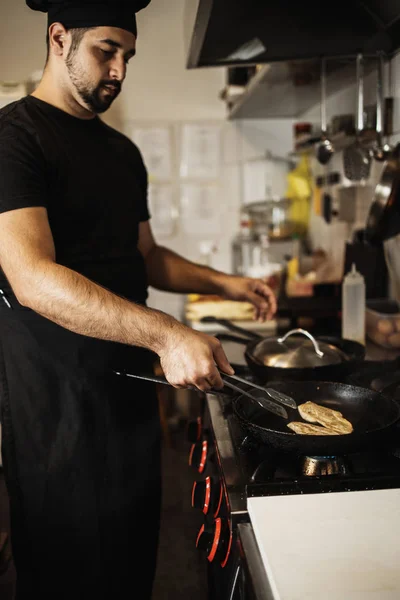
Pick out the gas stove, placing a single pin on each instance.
(249, 468)
(235, 467)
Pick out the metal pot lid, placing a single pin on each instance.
(300, 351)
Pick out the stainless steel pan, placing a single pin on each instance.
(383, 221)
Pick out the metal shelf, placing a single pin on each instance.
(339, 140)
(288, 89)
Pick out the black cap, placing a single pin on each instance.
(91, 13)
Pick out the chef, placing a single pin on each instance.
(81, 446)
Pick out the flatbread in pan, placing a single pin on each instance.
(327, 417)
(308, 429)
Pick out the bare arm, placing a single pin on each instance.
(27, 256)
(170, 272)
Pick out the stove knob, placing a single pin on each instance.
(195, 430)
(207, 495)
(215, 540)
(198, 455)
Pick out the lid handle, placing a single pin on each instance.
(283, 339)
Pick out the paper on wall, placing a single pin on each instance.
(200, 151)
(200, 213)
(155, 145)
(163, 210)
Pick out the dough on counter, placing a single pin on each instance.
(333, 419)
(220, 309)
(308, 429)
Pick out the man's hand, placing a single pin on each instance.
(191, 358)
(251, 290)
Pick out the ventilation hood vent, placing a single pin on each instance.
(233, 32)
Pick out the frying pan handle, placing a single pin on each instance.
(317, 349)
(229, 325)
(228, 337)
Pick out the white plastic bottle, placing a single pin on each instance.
(353, 306)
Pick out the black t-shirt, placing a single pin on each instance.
(93, 183)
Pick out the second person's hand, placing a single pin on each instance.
(255, 291)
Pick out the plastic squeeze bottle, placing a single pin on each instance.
(353, 306)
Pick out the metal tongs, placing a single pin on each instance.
(272, 400)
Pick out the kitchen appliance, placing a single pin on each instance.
(246, 247)
(264, 32)
(233, 465)
(296, 355)
(253, 255)
(272, 218)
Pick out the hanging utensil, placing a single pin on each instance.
(383, 220)
(382, 149)
(327, 201)
(325, 149)
(357, 159)
(260, 400)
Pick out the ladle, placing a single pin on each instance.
(356, 158)
(325, 148)
(381, 150)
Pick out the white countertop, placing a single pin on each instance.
(337, 546)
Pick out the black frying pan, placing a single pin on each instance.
(372, 414)
(353, 351)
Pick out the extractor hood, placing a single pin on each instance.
(237, 32)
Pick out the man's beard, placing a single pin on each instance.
(93, 97)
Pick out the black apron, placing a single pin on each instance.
(81, 456)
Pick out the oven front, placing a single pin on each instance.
(219, 496)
